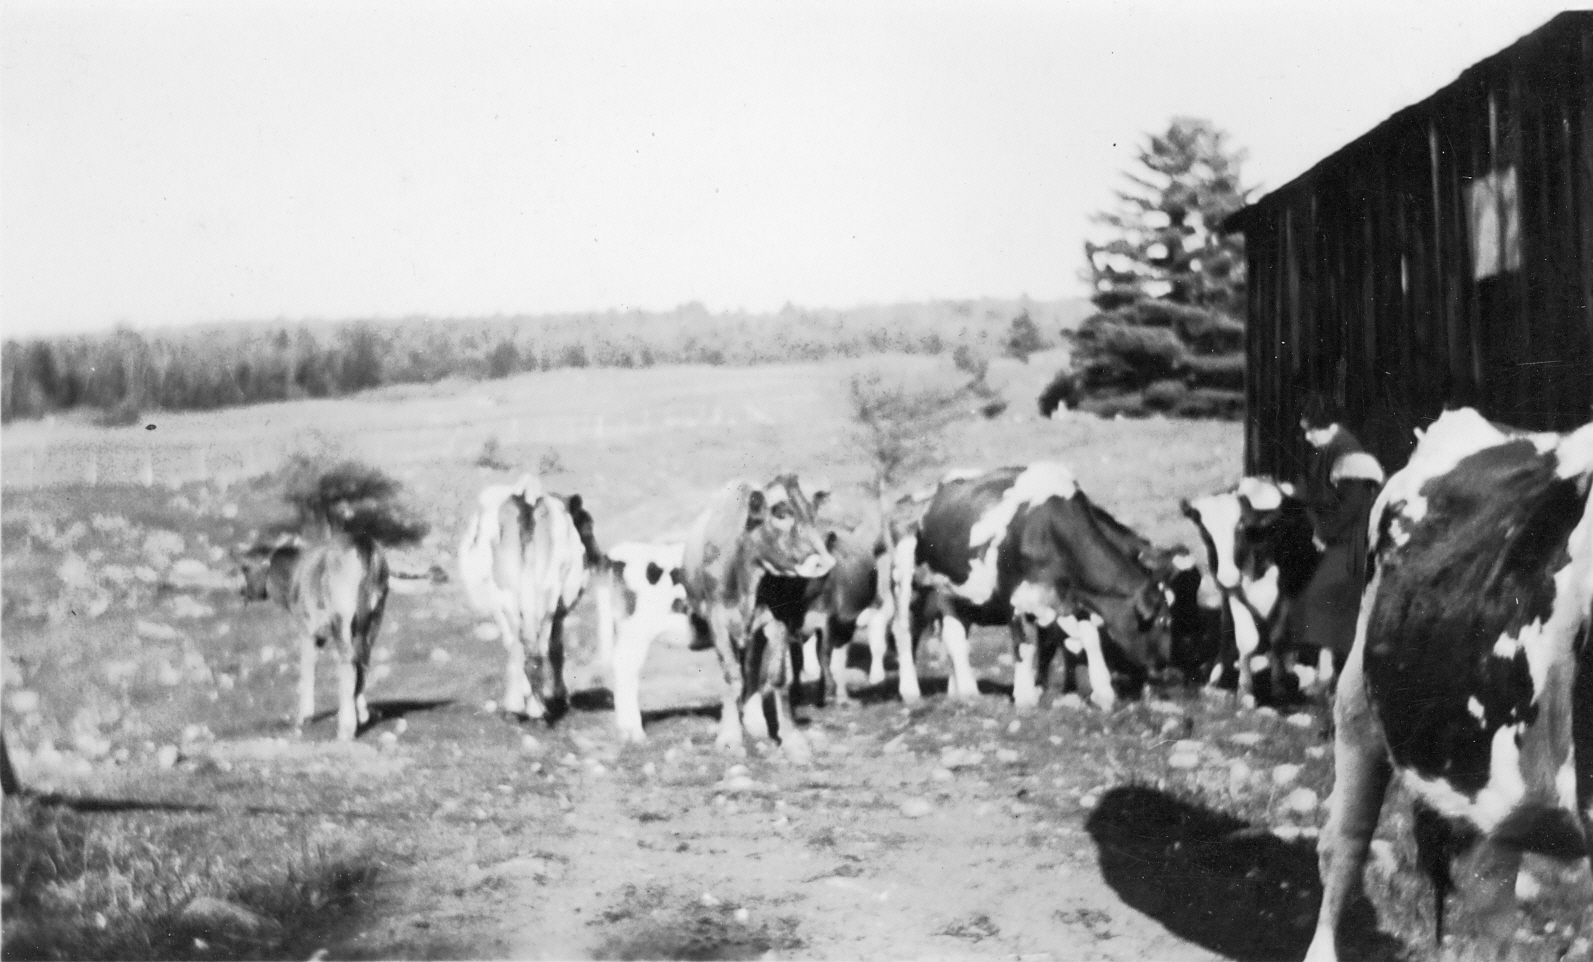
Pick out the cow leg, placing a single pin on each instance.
(799, 663)
(1046, 645)
(515, 685)
(1088, 635)
(954, 635)
(347, 683)
(729, 736)
(777, 667)
(1362, 774)
(903, 563)
(1247, 638)
(631, 642)
(533, 667)
(1025, 694)
(1324, 669)
(307, 655)
(364, 643)
(557, 697)
(834, 643)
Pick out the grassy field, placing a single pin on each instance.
(148, 703)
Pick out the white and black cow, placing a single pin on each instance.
(649, 604)
(748, 564)
(1020, 547)
(336, 590)
(1471, 675)
(1260, 550)
(526, 559)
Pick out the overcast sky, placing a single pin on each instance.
(170, 162)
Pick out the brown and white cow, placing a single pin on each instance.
(746, 556)
(1260, 551)
(525, 559)
(649, 604)
(1471, 675)
(1020, 547)
(336, 590)
(855, 594)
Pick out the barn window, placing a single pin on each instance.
(1494, 203)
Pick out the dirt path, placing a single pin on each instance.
(670, 851)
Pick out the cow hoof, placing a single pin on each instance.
(634, 735)
(1026, 700)
(1247, 701)
(1104, 704)
(876, 677)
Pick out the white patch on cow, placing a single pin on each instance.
(1456, 435)
(1545, 441)
(1036, 601)
(1183, 562)
(1262, 593)
(1575, 453)
(1259, 662)
(1219, 516)
(1506, 647)
(1356, 466)
(1565, 782)
(1037, 484)
(1262, 493)
(1246, 634)
(1475, 708)
(1288, 489)
(1306, 676)
(1540, 645)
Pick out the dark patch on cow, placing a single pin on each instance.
(1479, 567)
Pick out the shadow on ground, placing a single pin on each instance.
(1216, 881)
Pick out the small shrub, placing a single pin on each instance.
(504, 360)
(970, 362)
(550, 463)
(1204, 402)
(573, 355)
(491, 456)
(1164, 396)
(1023, 338)
(1063, 391)
(349, 496)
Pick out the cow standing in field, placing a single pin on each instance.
(1471, 675)
(336, 589)
(1260, 550)
(1021, 546)
(649, 603)
(855, 594)
(746, 556)
(526, 559)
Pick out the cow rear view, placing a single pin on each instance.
(336, 590)
(1471, 677)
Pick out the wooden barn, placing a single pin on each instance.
(1444, 258)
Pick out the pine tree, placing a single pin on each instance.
(1170, 287)
(1167, 244)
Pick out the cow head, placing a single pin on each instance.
(782, 530)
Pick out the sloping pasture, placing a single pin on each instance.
(149, 704)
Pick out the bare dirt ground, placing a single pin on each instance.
(147, 703)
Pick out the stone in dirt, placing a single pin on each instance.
(1246, 739)
(156, 631)
(214, 913)
(1183, 760)
(183, 606)
(1301, 720)
(955, 758)
(1285, 775)
(1302, 801)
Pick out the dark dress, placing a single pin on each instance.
(1339, 510)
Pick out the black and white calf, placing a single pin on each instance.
(1024, 547)
(1260, 550)
(649, 604)
(336, 590)
(1471, 675)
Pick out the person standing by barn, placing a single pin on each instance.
(1341, 483)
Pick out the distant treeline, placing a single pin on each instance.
(126, 372)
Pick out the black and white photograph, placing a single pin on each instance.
(796, 479)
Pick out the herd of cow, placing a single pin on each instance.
(1468, 672)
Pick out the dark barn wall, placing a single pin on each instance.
(1362, 272)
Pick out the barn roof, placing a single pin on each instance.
(1570, 23)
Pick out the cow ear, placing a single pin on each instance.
(821, 494)
(755, 508)
(654, 572)
(1188, 509)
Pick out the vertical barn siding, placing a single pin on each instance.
(1361, 271)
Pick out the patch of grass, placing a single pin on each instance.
(656, 922)
(114, 885)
